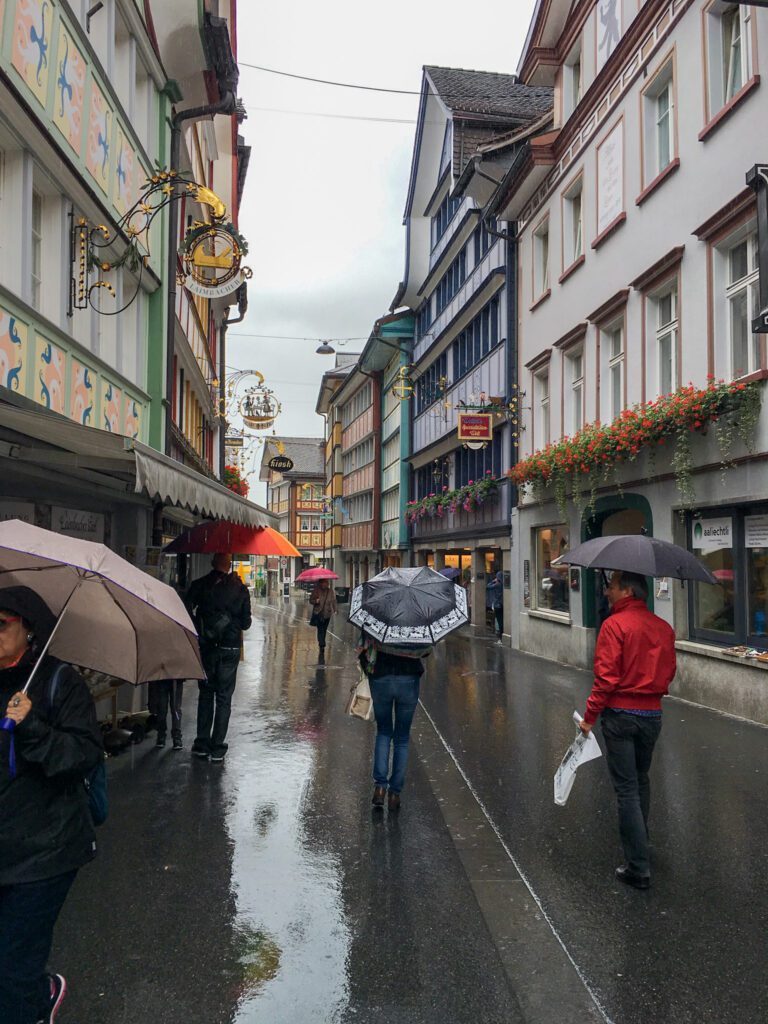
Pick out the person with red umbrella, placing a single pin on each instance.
(323, 601)
(220, 606)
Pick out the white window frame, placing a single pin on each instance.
(573, 80)
(576, 397)
(658, 135)
(616, 366)
(747, 285)
(573, 223)
(543, 399)
(541, 260)
(666, 329)
(727, 71)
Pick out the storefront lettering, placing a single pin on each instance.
(76, 523)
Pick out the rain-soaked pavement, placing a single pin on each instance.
(267, 890)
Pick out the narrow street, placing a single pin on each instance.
(267, 890)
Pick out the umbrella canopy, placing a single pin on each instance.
(233, 538)
(449, 572)
(112, 617)
(647, 556)
(317, 573)
(408, 606)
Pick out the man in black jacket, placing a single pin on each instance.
(220, 606)
(46, 833)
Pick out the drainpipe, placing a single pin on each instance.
(242, 305)
(226, 105)
(512, 381)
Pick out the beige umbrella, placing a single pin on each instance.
(112, 617)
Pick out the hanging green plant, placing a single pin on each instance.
(598, 449)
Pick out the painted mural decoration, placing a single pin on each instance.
(49, 374)
(82, 394)
(123, 174)
(70, 91)
(31, 44)
(97, 158)
(110, 407)
(13, 350)
(132, 418)
(609, 29)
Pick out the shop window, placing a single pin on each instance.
(551, 582)
(733, 544)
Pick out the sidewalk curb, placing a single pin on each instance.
(543, 975)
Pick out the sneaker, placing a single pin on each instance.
(178, 745)
(58, 991)
(160, 741)
(218, 757)
(198, 752)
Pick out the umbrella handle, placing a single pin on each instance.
(44, 651)
(8, 725)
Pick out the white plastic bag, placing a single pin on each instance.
(583, 749)
(360, 702)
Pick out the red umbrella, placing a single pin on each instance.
(318, 573)
(232, 538)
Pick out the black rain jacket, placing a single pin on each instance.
(213, 596)
(45, 824)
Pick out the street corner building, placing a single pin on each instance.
(115, 140)
(638, 284)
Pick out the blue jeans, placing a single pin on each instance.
(629, 743)
(28, 912)
(398, 694)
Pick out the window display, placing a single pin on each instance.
(552, 593)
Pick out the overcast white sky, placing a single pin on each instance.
(324, 197)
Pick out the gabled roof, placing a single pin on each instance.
(488, 92)
(306, 453)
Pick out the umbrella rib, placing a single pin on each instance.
(127, 617)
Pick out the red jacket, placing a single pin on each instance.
(634, 660)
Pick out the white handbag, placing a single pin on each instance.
(360, 703)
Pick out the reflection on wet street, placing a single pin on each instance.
(268, 890)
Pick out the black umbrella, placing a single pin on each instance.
(408, 606)
(646, 556)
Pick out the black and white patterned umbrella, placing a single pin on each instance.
(408, 606)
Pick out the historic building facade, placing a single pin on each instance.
(457, 283)
(638, 274)
(297, 497)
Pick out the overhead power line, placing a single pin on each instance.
(326, 81)
(291, 337)
(343, 117)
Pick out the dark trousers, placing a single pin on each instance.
(214, 704)
(322, 629)
(629, 743)
(499, 614)
(28, 912)
(165, 694)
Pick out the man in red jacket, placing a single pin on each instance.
(634, 665)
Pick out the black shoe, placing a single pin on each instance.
(160, 741)
(629, 877)
(218, 755)
(58, 991)
(178, 745)
(199, 751)
(321, 656)
(379, 792)
(393, 801)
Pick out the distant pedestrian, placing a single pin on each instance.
(46, 831)
(164, 696)
(221, 609)
(323, 601)
(634, 665)
(394, 673)
(494, 598)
